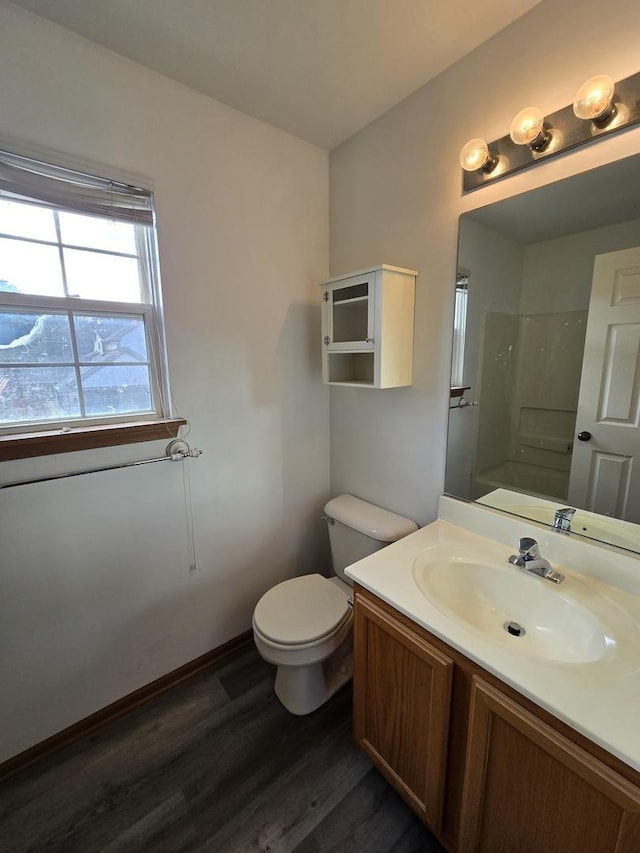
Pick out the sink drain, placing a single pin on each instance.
(514, 629)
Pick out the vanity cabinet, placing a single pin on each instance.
(486, 769)
(367, 328)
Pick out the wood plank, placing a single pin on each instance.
(371, 817)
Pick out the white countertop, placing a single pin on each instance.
(599, 699)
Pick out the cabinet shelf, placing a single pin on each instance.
(350, 368)
(345, 303)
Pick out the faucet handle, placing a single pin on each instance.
(562, 518)
(528, 548)
(566, 512)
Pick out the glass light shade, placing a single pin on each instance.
(593, 99)
(527, 126)
(475, 155)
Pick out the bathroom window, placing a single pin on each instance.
(459, 329)
(81, 340)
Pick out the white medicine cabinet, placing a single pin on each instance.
(367, 328)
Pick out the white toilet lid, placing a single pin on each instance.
(300, 610)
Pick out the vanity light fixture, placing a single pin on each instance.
(600, 107)
(476, 157)
(594, 101)
(527, 128)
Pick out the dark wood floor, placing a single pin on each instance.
(215, 764)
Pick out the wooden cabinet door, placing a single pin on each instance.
(528, 789)
(402, 692)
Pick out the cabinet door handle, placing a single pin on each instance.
(327, 340)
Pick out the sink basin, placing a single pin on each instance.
(527, 614)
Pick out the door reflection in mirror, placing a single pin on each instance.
(537, 289)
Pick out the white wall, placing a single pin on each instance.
(557, 273)
(494, 264)
(396, 198)
(96, 595)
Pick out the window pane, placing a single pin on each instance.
(27, 220)
(37, 394)
(29, 268)
(33, 337)
(97, 233)
(91, 275)
(459, 336)
(110, 338)
(115, 390)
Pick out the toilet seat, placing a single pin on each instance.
(301, 611)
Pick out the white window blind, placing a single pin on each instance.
(28, 180)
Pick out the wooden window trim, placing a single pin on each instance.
(458, 390)
(29, 444)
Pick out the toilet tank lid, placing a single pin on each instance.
(380, 524)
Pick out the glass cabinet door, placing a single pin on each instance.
(349, 310)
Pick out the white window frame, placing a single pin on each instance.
(459, 329)
(149, 308)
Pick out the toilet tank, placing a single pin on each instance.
(358, 528)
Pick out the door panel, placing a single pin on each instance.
(605, 470)
(619, 398)
(402, 695)
(528, 789)
(609, 482)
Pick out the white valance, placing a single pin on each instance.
(28, 180)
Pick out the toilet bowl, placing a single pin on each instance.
(303, 625)
(300, 625)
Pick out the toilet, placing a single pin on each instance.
(303, 625)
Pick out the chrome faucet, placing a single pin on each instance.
(562, 519)
(529, 560)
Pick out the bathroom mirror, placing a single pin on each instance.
(546, 409)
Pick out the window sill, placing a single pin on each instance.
(29, 444)
(458, 390)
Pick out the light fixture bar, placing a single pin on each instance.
(565, 130)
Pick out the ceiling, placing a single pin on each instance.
(320, 69)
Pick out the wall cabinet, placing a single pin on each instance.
(367, 328)
(486, 769)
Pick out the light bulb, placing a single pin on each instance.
(594, 100)
(527, 128)
(475, 156)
